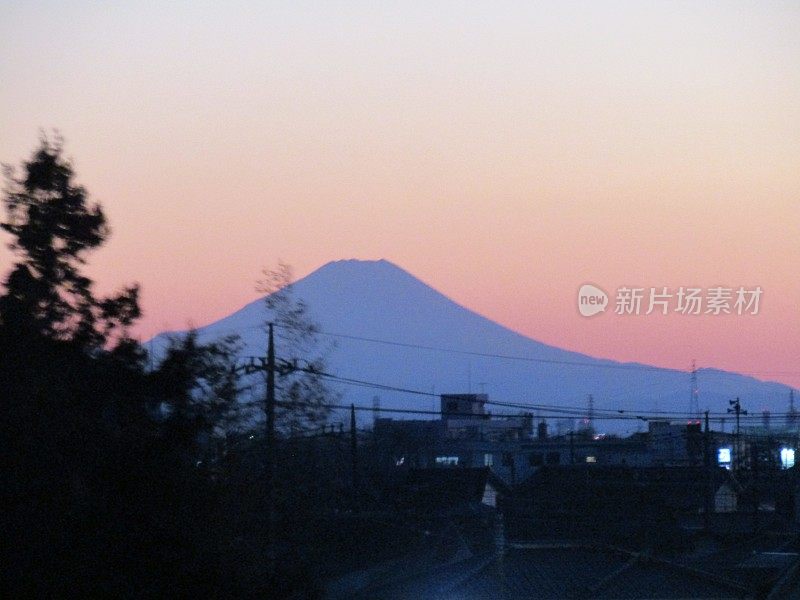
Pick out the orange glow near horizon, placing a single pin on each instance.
(503, 155)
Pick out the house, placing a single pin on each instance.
(447, 490)
(547, 571)
(726, 498)
(675, 443)
(465, 417)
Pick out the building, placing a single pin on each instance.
(465, 417)
(675, 443)
(515, 447)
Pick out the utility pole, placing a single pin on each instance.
(354, 454)
(270, 458)
(737, 410)
(756, 491)
(572, 447)
(709, 474)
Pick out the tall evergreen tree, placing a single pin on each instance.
(54, 226)
(101, 497)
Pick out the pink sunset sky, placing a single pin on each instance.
(505, 154)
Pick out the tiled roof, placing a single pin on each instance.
(562, 572)
(441, 488)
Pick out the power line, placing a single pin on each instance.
(635, 366)
(628, 366)
(557, 410)
(599, 364)
(347, 407)
(606, 414)
(386, 387)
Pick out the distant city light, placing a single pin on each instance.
(787, 458)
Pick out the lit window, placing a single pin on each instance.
(591, 459)
(488, 460)
(787, 458)
(724, 456)
(446, 460)
(489, 496)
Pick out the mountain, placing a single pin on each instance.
(441, 347)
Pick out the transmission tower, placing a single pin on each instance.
(590, 414)
(694, 404)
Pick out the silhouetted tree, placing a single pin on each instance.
(99, 497)
(303, 395)
(53, 226)
(115, 481)
(199, 390)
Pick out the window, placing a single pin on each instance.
(591, 459)
(787, 458)
(536, 459)
(724, 457)
(488, 460)
(489, 496)
(446, 460)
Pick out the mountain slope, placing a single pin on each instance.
(380, 301)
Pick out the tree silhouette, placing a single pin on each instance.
(54, 226)
(118, 480)
(302, 394)
(199, 391)
(98, 490)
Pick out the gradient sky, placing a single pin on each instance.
(504, 153)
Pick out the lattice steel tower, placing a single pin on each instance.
(694, 404)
